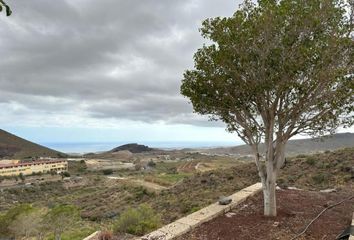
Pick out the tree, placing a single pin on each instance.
(22, 177)
(27, 225)
(273, 70)
(10, 216)
(7, 8)
(60, 218)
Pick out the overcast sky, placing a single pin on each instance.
(103, 71)
(110, 70)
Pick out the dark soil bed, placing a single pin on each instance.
(295, 210)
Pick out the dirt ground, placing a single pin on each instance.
(295, 210)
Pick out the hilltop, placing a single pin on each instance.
(133, 148)
(294, 147)
(12, 146)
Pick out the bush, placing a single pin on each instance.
(320, 178)
(310, 161)
(137, 221)
(151, 164)
(107, 171)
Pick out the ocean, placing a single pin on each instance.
(88, 147)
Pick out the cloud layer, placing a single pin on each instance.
(85, 60)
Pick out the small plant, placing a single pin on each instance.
(310, 161)
(140, 192)
(22, 177)
(151, 164)
(107, 171)
(137, 221)
(320, 178)
(66, 174)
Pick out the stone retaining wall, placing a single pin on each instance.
(351, 237)
(93, 236)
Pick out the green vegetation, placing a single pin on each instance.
(65, 174)
(310, 160)
(107, 171)
(137, 221)
(11, 215)
(61, 218)
(6, 7)
(166, 179)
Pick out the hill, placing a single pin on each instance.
(133, 148)
(12, 146)
(294, 147)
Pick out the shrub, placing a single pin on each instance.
(107, 171)
(22, 177)
(137, 221)
(140, 192)
(310, 161)
(320, 178)
(151, 164)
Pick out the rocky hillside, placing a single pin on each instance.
(14, 147)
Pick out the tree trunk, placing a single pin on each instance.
(274, 160)
(57, 236)
(270, 207)
(268, 171)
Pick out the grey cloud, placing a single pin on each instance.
(110, 59)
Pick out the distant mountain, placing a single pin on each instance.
(14, 147)
(133, 148)
(294, 147)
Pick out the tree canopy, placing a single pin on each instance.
(60, 218)
(4, 6)
(275, 69)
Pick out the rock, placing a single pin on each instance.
(276, 224)
(328, 190)
(294, 188)
(225, 200)
(230, 214)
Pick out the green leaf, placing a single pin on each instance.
(8, 11)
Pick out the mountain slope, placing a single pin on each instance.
(298, 146)
(15, 147)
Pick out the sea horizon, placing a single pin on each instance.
(93, 147)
